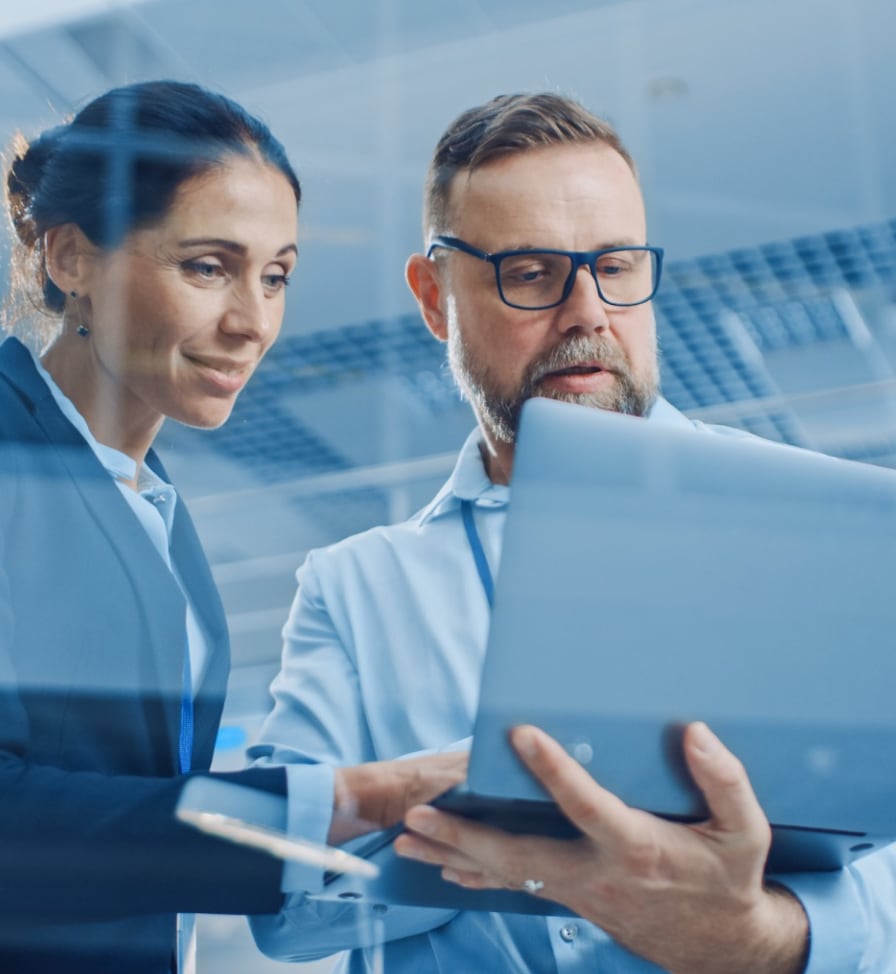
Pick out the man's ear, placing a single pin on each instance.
(67, 253)
(424, 277)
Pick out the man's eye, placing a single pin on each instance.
(613, 268)
(524, 274)
(532, 274)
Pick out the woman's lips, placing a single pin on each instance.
(222, 373)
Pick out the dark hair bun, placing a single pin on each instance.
(24, 178)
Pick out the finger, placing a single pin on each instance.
(471, 879)
(596, 811)
(456, 867)
(451, 762)
(413, 846)
(724, 783)
(470, 846)
(449, 830)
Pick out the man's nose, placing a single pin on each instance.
(584, 309)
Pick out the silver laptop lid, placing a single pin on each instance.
(653, 575)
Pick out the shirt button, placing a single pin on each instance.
(568, 932)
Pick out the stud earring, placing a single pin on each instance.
(82, 329)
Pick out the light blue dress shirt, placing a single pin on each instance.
(382, 655)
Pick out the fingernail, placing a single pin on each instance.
(524, 742)
(703, 739)
(406, 847)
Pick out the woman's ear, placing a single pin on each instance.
(67, 253)
(424, 277)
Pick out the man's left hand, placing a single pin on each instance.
(689, 897)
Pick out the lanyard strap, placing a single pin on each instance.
(485, 573)
(185, 741)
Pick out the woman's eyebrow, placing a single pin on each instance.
(231, 245)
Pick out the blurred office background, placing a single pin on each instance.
(765, 134)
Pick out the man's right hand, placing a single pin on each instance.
(373, 796)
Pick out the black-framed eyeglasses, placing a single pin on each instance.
(533, 280)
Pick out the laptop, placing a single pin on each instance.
(653, 574)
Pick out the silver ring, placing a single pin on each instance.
(532, 885)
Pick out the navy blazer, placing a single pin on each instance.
(93, 864)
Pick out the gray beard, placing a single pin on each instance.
(501, 415)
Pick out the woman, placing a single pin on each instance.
(157, 234)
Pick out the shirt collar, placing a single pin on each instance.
(118, 464)
(469, 481)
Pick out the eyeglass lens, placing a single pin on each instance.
(533, 280)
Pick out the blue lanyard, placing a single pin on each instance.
(485, 573)
(185, 742)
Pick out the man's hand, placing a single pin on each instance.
(377, 795)
(690, 898)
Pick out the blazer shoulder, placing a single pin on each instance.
(20, 386)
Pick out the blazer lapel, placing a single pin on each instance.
(162, 627)
(189, 556)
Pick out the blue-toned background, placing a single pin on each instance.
(765, 137)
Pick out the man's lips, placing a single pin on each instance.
(577, 370)
(582, 378)
(581, 368)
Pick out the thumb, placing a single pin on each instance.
(721, 777)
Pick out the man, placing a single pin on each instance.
(384, 642)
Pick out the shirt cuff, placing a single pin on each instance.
(836, 919)
(309, 811)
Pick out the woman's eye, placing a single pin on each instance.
(205, 269)
(275, 282)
